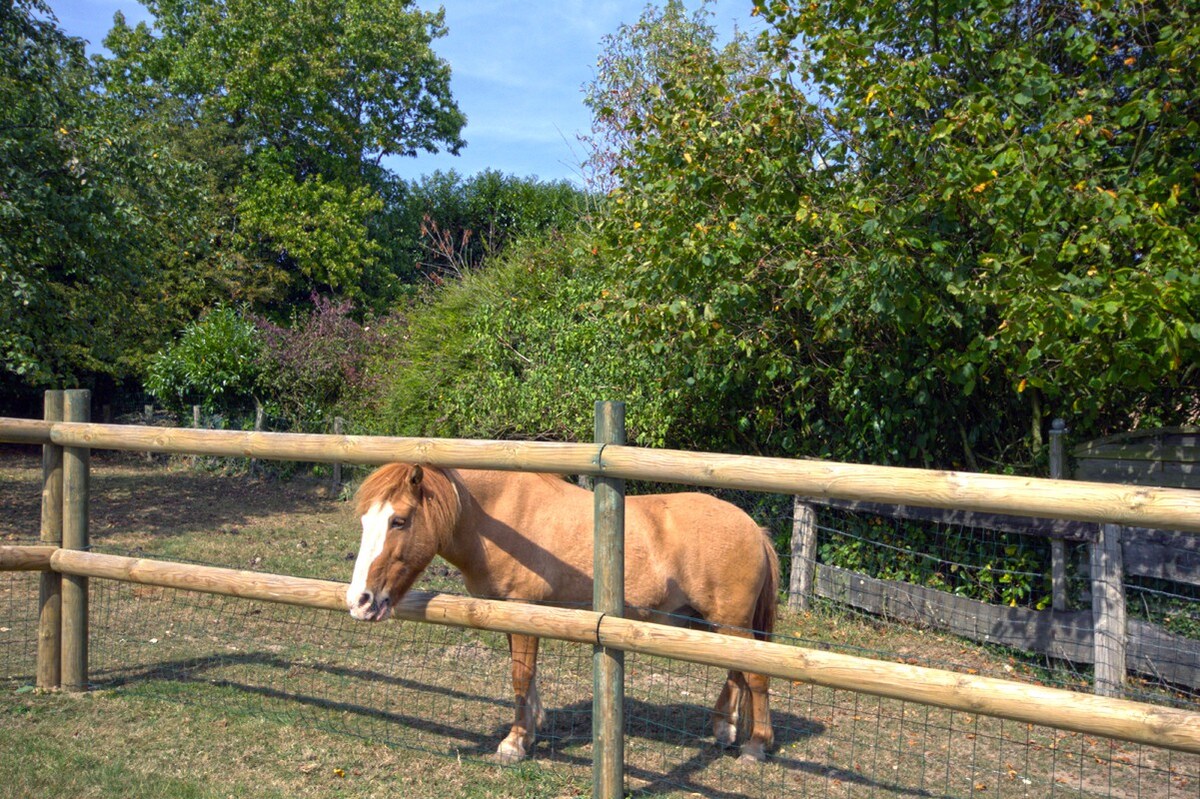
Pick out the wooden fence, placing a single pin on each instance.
(1100, 634)
(1100, 503)
(1166, 456)
(1166, 727)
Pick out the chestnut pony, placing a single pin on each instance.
(529, 537)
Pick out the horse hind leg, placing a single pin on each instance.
(527, 713)
(762, 736)
(726, 712)
(744, 704)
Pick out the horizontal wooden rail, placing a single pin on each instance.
(539, 456)
(1166, 727)
(305, 592)
(1170, 728)
(1135, 506)
(25, 431)
(26, 559)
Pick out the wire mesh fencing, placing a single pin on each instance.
(419, 686)
(18, 630)
(447, 691)
(996, 587)
(19, 596)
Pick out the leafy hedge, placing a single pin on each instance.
(215, 364)
(520, 349)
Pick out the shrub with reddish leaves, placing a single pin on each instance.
(313, 366)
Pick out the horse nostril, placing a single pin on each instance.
(365, 599)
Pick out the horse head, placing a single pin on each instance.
(408, 514)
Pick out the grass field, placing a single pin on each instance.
(201, 696)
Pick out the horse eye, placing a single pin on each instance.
(398, 523)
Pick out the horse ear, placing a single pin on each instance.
(417, 475)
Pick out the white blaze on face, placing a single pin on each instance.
(375, 527)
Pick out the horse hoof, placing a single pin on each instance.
(752, 752)
(725, 733)
(510, 752)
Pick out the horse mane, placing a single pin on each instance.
(439, 496)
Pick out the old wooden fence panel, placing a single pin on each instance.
(1115, 553)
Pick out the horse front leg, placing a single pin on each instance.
(725, 714)
(528, 715)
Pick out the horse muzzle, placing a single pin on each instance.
(369, 607)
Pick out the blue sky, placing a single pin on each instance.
(518, 69)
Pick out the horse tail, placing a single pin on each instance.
(768, 596)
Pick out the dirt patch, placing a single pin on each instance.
(131, 495)
(20, 494)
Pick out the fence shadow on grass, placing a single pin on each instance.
(669, 744)
(188, 671)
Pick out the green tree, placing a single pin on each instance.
(349, 80)
(80, 182)
(451, 223)
(520, 348)
(319, 226)
(216, 363)
(637, 65)
(712, 167)
(913, 231)
(1029, 165)
(295, 106)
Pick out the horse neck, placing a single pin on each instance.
(463, 548)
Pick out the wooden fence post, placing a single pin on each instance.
(1108, 610)
(76, 463)
(49, 652)
(195, 426)
(1058, 547)
(260, 419)
(337, 467)
(608, 597)
(804, 554)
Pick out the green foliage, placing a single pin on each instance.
(228, 151)
(1036, 161)
(518, 349)
(81, 183)
(318, 224)
(1166, 603)
(638, 64)
(449, 223)
(351, 79)
(216, 364)
(974, 214)
(1000, 568)
(710, 179)
(290, 107)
